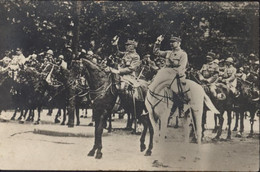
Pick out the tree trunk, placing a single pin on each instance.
(75, 45)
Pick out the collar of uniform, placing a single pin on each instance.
(133, 51)
(177, 49)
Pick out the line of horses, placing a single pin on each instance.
(31, 91)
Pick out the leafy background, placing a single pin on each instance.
(36, 26)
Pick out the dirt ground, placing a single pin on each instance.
(20, 148)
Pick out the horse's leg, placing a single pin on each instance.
(29, 115)
(39, 116)
(143, 120)
(164, 121)
(219, 130)
(22, 116)
(129, 121)
(197, 116)
(86, 113)
(236, 122)
(229, 120)
(57, 116)
(98, 136)
(77, 116)
(49, 112)
(110, 123)
(241, 130)
(216, 116)
(186, 125)
(14, 115)
(204, 121)
(252, 119)
(151, 126)
(64, 116)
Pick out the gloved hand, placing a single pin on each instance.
(115, 40)
(159, 39)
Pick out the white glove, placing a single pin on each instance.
(115, 40)
(159, 39)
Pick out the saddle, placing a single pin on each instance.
(132, 87)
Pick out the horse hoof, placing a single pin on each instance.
(70, 125)
(63, 123)
(12, 118)
(98, 155)
(176, 126)
(228, 138)
(215, 139)
(20, 118)
(21, 122)
(91, 153)
(91, 124)
(77, 123)
(37, 123)
(214, 130)
(142, 148)
(148, 153)
(235, 129)
(56, 121)
(239, 135)
(250, 135)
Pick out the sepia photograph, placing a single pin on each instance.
(129, 85)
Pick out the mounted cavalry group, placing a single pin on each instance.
(148, 91)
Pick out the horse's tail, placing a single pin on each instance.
(210, 105)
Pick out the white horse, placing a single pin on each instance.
(159, 103)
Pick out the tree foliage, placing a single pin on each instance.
(38, 25)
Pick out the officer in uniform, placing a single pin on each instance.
(176, 61)
(209, 72)
(229, 76)
(129, 63)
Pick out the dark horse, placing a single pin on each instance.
(244, 103)
(103, 94)
(223, 103)
(31, 89)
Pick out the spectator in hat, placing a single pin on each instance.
(49, 56)
(209, 72)
(62, 63)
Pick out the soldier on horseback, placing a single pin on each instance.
(229, 76)
(209, 72)
(176, 61)
(129, 63)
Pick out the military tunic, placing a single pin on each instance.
(175, 63)
(229, 77)
(130, 62)
(176, 59)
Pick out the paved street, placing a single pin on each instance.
(21, 148)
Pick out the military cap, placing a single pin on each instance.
(61, 57)
(230, 59)
(175, 39)
(131, 42)
(50, 52)
(216, 61)
(211, 54)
